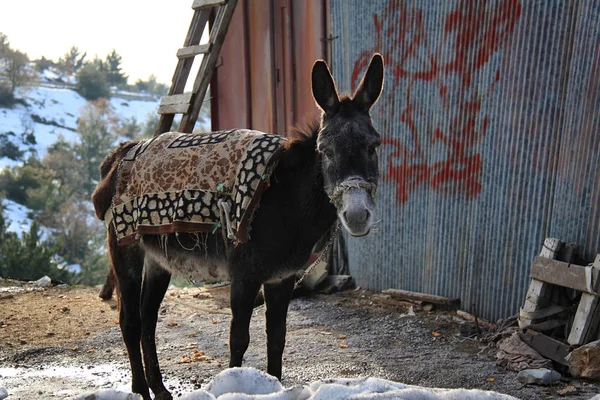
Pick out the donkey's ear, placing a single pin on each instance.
(323, 89)
(370, 87)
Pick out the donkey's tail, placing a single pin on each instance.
(103, 194)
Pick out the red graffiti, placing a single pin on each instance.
(455, 74)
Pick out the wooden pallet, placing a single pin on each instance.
(189, 104)
(546, 272)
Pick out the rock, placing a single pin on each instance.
(44, 281)
(584, 362)
(3, 393)
(541, 376)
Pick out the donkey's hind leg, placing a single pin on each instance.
(277, 299)
(154, 287)
(243, 294)
(109, 285)
(128, 264)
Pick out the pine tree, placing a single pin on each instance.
(92, 82)
(14, 70)
(95, 128)
(72, 61)
(114, 72)
(29, 256)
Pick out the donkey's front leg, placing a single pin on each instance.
(277, 299)
(243, 293)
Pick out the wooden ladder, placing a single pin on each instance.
(189, 104)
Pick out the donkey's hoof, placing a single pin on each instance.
(163, 396)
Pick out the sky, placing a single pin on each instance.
(146, 33)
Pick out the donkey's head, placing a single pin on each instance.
(347, 144)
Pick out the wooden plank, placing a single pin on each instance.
(538, 292)
(551, 248)
(173, 109)
(562, 274)
(415, 296)
(546, 346)
(184, 66)
(209, 61)
(200, 4)
(583, 319)
(184, 98)
(585, 322)
(192, 51)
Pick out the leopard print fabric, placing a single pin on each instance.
(173, 182)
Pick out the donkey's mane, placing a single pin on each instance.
(303, 134)
(301, 145)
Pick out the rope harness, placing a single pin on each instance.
(352, 183)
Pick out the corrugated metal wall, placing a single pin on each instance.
(490, 118)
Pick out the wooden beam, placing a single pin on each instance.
(563, 274)
(424, 297)
(583, 319)
(192, 51)
(538, 292)
(546, 346)
(199, 4)
(184, 98)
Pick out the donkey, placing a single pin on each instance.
(327, 171)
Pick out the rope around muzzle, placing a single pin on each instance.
(353, 183)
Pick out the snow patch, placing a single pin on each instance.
(251, 384)
(16, 216)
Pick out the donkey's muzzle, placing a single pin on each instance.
(356, 211)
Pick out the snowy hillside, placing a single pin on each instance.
(53, 111)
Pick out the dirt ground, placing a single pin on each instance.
(57, 343)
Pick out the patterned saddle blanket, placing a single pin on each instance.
(193, 183)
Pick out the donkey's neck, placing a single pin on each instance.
(299, 180)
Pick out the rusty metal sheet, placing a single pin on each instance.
(309, 34)
(262, 67)
(230, 104)
(263, 81)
